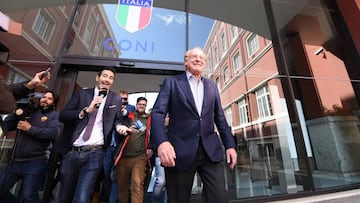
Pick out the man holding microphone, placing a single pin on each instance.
(89, 118)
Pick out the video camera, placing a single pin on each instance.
(25, 106)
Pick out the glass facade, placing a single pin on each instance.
(287, 72)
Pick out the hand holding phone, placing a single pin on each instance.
(45, 73)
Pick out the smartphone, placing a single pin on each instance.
(45, 73)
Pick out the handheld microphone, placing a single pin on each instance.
(102, 94)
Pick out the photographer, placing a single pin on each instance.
(110, 172)
(124, 95)
(37, 126)
(10, 93)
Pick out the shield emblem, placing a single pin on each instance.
(134, 15)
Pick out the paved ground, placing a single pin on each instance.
(351, 196)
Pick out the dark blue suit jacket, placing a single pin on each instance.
(73, 125)
(185, 125)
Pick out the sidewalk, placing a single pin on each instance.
(351, 196)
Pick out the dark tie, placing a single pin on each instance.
(90, 125)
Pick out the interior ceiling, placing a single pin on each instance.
(247, 14)
(133, 83)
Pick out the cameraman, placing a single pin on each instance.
(37, 127)
(12, 92)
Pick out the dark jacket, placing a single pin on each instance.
(140, 145)
(186, 127)
(33, 144)
(10, 93)
(73, 125)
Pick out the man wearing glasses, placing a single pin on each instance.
(125, 101)
(110, 173)
(134, 155)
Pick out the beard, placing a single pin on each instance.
(46, 108)
(141, 113)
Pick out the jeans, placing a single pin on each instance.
(79, 171)
(110, 176)
(32, 173)
(159, 193)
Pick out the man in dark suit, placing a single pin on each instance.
(89, 118)
(191, 144)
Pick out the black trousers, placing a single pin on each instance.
(179, 182)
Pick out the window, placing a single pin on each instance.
(237, 63)
(216, 55)
(217, 81)
(67, 46)
(226, 74)
(44, 26)
(98, 44)
(223, 43)
(99, 40)
(252, 44)
(89, 30)
(242, 105)
(228, 116)
(209, 65)
(77, 17)
(234, 31)
(263, 102)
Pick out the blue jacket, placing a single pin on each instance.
(31, 145)
(186, 127)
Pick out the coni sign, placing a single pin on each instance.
(128, 45)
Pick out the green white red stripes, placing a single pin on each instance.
(133, 15)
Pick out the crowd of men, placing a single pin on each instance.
(103, 140)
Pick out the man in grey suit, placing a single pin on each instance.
(190, 143)
(89, 118)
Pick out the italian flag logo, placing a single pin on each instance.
(134, 15)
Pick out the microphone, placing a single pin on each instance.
(102, 94)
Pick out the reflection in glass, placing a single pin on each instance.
(282, 148)
(97, 33)
(270, 136)
(325, 86)
(243, 65)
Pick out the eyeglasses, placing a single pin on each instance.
(124, 98)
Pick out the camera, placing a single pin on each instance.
(25, 106)
(124, 111)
